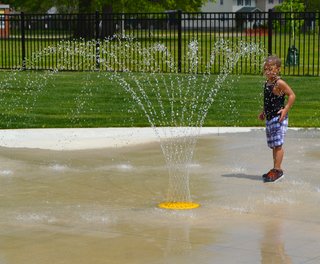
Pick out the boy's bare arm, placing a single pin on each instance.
(284, 88)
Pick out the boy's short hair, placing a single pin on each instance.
(274, 60)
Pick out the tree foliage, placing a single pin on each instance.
(293, 19)
(291, 6)
(29, 5)
(312, 5)
(89, 6)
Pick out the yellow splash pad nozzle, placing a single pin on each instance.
(179, 205)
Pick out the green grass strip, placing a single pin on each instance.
(90, 99)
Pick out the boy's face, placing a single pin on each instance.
(270, 70)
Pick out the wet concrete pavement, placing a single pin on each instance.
(100, 205)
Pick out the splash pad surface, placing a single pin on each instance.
(91, 196)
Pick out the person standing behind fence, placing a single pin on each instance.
(275, 114)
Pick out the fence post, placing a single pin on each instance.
(318, 41)
(23, 41)
(97, 39)
(270, 25)
(179, 40)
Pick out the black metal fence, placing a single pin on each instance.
(294, 37)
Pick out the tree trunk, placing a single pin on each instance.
(107, 25)
(85, 23)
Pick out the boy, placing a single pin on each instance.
(276, 114)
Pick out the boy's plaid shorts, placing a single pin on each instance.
(276, 131)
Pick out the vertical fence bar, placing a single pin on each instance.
(97, 39)
(290, 40)
(36, 31)
(206, 40)
(281, 35)
(188, 37)
(306, 18)
(270, 24)
(314, 39)
(1, 48)
(3, 44)
(297, 18)
(16, 46)
(285, 43)
(318, 40)
(301, 44)
(171, 40)
(56, 19)
(23, 41)
(179, 40)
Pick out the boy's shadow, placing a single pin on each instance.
(243, 176)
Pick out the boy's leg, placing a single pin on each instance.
(275, 132)
(276, 173)
(275, 136)
(278, 153)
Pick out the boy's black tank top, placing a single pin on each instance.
(272, 102)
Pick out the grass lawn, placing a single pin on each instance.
(83, 99)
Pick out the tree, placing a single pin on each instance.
(90, 6)
(85, 22)
(85, 9)
(292, 6)
(34, 6)
(312, 5)
(294, 20)
(148, 5)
